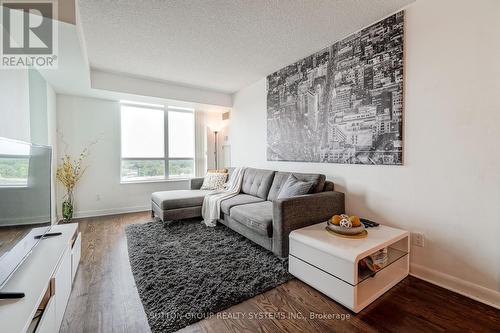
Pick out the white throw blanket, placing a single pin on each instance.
(210, 211)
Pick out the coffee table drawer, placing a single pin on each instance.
(328, 284)
(330, 263)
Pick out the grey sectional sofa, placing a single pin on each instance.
(256, 212)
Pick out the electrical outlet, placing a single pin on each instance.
(417, 239)
(98, 197)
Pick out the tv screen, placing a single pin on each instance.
(25, 208)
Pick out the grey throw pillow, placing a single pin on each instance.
(293, 187)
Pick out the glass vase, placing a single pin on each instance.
(67, 210)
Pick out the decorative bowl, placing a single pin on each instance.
(345, 231)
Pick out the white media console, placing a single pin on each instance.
(46, 277)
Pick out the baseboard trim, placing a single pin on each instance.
(466, 288)
(112, 211)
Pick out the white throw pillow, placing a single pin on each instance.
(214, 181)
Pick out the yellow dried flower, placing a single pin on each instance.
(70, 171)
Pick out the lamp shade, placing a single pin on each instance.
(215, 127)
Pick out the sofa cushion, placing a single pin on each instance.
(179, 198)
(257, 182)
(240, 199)
(293, 187)
(256, 216)
(281, 177)
(329, 186)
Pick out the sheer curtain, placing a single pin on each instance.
(200, 152)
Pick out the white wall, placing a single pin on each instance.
(52, 141)
(214, 119)
(449, 185)
(39, 131)
(165, 90)
(81, 121)
(42, 124)
(14, 105)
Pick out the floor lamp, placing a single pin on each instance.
(216, 130)
(216, 155)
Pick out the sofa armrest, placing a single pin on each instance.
(301, 211)
(195, 183)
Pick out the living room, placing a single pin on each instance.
(227, 166)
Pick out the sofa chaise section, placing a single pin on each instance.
(179, 204)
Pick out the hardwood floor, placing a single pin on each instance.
(104, 299)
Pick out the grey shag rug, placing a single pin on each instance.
(185, 271)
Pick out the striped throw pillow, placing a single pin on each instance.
(293, 187)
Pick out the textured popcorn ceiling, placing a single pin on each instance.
(222, 45)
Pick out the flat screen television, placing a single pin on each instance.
(25, 196)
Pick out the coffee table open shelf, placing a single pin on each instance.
(393, 255)
(330, 263)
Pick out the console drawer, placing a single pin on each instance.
(76, 253)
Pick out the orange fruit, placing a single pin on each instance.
(355, 221)
(336, 219)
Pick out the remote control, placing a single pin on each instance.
(369, 224)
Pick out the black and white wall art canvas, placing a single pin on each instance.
(343, 104)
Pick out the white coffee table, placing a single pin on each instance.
(329, 263)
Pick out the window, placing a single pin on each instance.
(14, 171)
(14, 164)
(157, 143)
